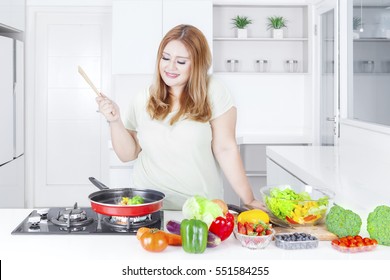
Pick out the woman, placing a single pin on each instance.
(181, 130)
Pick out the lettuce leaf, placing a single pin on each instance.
(201, 208)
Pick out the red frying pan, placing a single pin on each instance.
(107, 201)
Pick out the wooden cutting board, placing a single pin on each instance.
(318, 231)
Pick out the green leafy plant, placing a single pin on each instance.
(241, 22)
(276, 22)
(357, 22)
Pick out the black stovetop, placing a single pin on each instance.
(38, 223)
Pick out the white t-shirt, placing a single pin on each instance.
(177, 159)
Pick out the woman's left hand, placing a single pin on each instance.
(256, 204)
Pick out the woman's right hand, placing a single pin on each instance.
(108, 108)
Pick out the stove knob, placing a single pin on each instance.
(43, 211)
(34, 219)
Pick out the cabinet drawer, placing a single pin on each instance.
(254, 158)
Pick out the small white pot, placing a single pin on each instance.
(242, 33)
(277, 33)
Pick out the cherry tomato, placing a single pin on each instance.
(374, 242)
(367, 241)
(343, 239)
(154, 240)
(336, 242)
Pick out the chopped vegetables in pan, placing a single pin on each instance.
(132, 201)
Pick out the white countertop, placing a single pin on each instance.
(120, 247)
(264, 138)
(360, 180)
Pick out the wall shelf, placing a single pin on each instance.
(258, 39)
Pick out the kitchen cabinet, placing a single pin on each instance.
(136, 35)
(256, 167)
(260, 45)
(275, 101)
(12, 14)
(135, 43)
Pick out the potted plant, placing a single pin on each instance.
(241, 22)
(357, 23)
(276, 23)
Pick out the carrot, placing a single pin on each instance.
(173, 239)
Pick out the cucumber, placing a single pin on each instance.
(212, 240)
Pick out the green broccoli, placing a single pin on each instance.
(378, 224)
(343, 222)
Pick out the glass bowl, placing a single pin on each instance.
(301, 205)
(253, 241)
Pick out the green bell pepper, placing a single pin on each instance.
(194, 235)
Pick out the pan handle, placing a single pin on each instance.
(98, 184)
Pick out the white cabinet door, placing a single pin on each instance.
(6, 99)
(12, 14)
(136, 35)
(196, 13)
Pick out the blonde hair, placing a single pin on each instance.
(194, 103)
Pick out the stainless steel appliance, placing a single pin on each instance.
(75, 220)
(11, 123)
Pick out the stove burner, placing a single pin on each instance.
(72, 217)
(129, 224)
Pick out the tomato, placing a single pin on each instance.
(141, 231)
(358, 237)
(360, 244)
(291, 221)
(154, 240)
(268, 232)
(367, 241)
(349, 237)
(336, 242)
(343, 239)
(374, 242)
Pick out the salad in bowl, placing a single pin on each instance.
(297, 205)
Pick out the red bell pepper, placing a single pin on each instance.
(223, 226)
(291, 221)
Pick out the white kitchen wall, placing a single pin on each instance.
(267, 106)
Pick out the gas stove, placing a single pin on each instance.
(84, 220)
